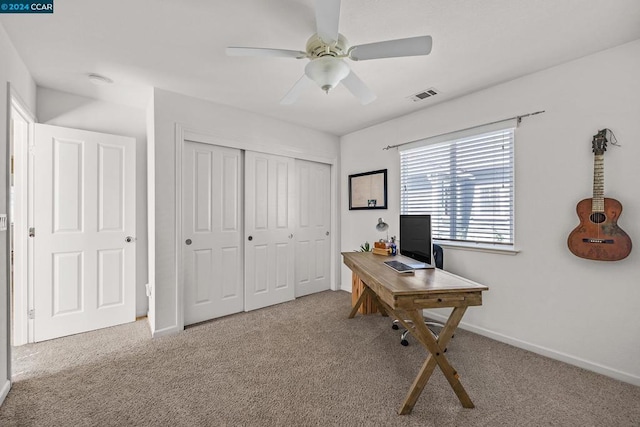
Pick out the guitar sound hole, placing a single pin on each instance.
(597, 217)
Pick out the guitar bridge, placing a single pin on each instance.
(609, 241)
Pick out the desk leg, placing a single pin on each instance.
(357, 288)
(377, 303)
(368, 294)
(356, 306)
(436, 357)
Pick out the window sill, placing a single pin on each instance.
(480, 247)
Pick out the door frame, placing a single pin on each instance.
(21, 299)
(184, 133)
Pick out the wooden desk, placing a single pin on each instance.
(404, 297)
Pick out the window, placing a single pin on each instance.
(465, 181)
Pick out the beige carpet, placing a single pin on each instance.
(301, 363)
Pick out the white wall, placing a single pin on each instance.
(12, 70)
(544, 298)
(73, 111)
(227, 125)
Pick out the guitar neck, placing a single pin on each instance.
(598, 183)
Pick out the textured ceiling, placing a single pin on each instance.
(180, 46)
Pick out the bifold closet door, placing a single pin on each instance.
(212, 231)
(269, 230)
(312, 236)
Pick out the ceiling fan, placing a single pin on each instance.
(326, 49)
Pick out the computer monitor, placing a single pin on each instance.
(415, 237)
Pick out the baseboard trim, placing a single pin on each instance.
(5, 391)
(544, 351)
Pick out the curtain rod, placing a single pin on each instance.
(519, 118)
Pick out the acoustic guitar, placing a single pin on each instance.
(598, 236)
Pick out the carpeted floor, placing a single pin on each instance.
(302, 363)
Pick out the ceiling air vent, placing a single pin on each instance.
(425, 94)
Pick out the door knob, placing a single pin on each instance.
(250, 238)
(129, 239)
(291, 236)
(188, 241)
(326, 234)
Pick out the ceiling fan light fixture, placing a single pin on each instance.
(326, 49)
(327, 71)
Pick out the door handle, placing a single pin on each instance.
(291, 236)
(187, 242)
(250, 238)
(326, 234)
(129, 239)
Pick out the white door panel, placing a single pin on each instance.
(269, 226)
(212, 209)
(21, 141)
(84, 209)
(313, 227)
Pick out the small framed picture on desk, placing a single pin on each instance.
(368, 190)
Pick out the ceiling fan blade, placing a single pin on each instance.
(261, 51)
(327, 20)
(358, 88)
(301, 85)
(392, 48)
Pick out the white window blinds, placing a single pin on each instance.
(465, 181)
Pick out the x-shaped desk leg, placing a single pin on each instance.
(366, 291)
(428, 340)
(435, 357)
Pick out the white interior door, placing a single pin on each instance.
(212, 231)
(313, 225)
(21, 141)
(84, 244)
(269, 228)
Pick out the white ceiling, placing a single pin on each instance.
(179, 45)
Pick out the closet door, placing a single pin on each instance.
(312, 236)
(269, 228)
(212, 231)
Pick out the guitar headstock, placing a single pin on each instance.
(599, 143)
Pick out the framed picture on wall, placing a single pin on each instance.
(368, 190)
